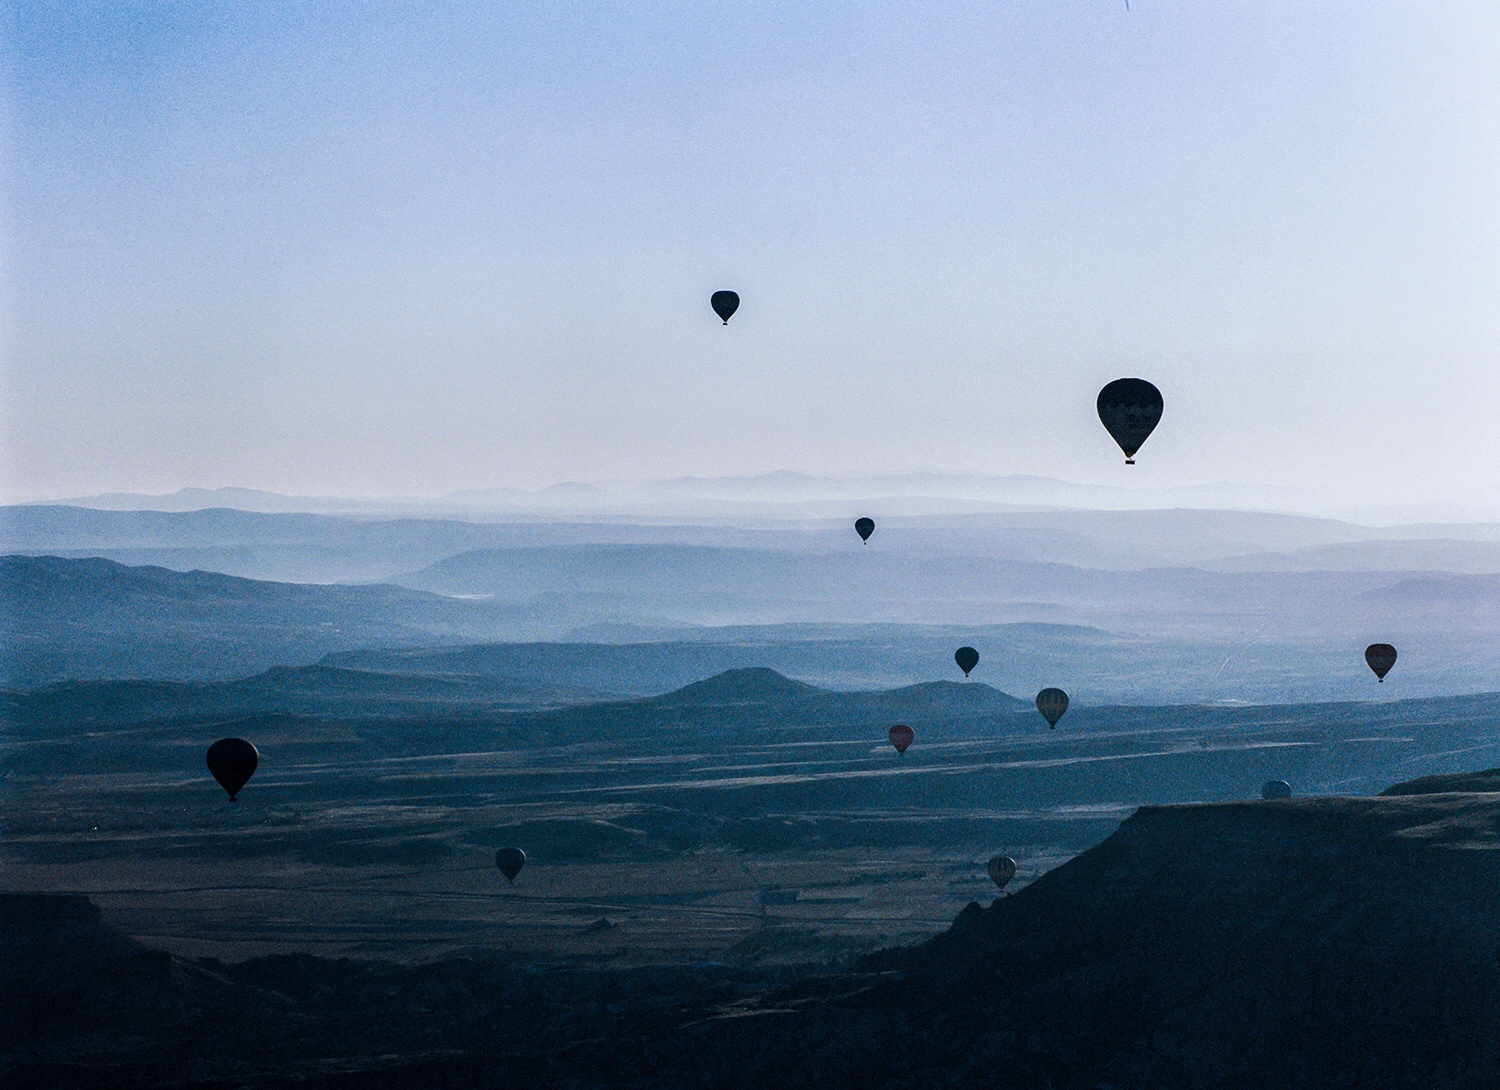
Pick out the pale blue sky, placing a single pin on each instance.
(383, 248)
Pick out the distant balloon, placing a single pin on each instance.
(864, 528)
(1052, 703)
(1129, 408)
(1381, 657)
(510, 861)
(967, 658)
(1001, 869)
(725, 303)
(1276, 789)
(232, 762)
(901, 736)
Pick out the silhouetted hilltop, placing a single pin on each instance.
(748, 685)
(761, 685)
(1486, 781)
(940, 698)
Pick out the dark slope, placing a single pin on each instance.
(94, 618)
(1486, 781)
(1333, 942)
(1319, 942)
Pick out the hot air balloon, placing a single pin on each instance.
(1052, 703)
(864, 528)
(901, 736)
(1275, 789)
(232, 762)
(1381, 657)
(725, 303)
(1129, 408)
(1001, 869)
(510, 861)
(967, 658)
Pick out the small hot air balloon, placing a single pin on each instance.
(1052, 703)
(232, 762)
(1001, 869)
(901, 736)
(864, 528)
(1275, 789)
(1129, 408)
(510, 861)
(1381, 657)
(725, 303)
(967, 658)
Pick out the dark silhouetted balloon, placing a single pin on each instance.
(1129, 408)
(1052, 703)
(725, 303)
(1001, 869)
(232, 762)
(901, 736)
(967, 658)
(1381, 657)
(864, 528)
(1275, 789)
(510, 861)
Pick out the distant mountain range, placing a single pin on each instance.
(788, 494)
(636, 619)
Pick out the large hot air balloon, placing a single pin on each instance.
(232, 762)
(1275, 789)
(1001, 869)
(1129, 408)
(864, 528)
(1381, 657)
(510, 861)
(725, 303)
(1052, 703)
(901, 736)
(967, 658)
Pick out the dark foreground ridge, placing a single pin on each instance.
(1311, 942)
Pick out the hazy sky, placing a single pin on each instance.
(382, 248)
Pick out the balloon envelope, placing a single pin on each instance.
(901, 736)
(232, 762)
(1381, 657)
(1129, 409)
(725, 303)
(1052, 703)
(967, 658)
(864, 528)
(1276, 789)
(510, 861)
(1001, 869)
